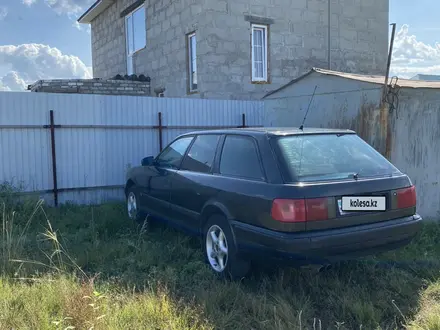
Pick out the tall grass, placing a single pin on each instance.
(14, 232)
(67, 288)
(88, 267)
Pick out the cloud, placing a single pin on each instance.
(12, 81)
(82, 27)
(24, 64)
(411, 57)
(29, 2)
(3, 13)
(4, 88)
(69, 7)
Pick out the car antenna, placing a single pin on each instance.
(308, 108)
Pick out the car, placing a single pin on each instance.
(309, 196)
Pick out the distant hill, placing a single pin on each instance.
(427, 77)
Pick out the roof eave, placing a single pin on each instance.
(96, 9)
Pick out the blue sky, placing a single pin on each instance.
(41, 39)
(420, 15)
(38, 23)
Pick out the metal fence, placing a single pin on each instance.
(78, 148)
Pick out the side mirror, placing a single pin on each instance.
(148, 161)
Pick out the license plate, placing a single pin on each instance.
(363, 204)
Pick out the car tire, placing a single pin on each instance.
(220, 250)
(133, 207)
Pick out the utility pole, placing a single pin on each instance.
(329, 34)
(384, 113)
(390, 55)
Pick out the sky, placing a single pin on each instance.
(40, 39)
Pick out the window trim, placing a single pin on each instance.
(127, 53)
(184, 154)
(189, 63)
(220, 154)
(265, 78)
(217, 147)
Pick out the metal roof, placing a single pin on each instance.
(373, 79)
(279, 131)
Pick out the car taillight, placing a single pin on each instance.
(289, 210)
(406, 197)
(316, 209)
(300, 210)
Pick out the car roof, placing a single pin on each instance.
(275, 131)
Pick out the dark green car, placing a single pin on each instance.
(311, 196)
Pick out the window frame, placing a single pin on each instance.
(189, 62)
(129, 56)
(169, 144)
(219, 155)
(214, 160)
(265, 29)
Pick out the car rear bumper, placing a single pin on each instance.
(328, 245)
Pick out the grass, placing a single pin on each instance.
(89, 267)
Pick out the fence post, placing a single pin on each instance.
(243, 120)
(160, 131)
(54, 158)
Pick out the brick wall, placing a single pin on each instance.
(298, 41)
(108, 42)
(164, 58)
(92, 86)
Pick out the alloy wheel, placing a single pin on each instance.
(131, 205)
(217, 248)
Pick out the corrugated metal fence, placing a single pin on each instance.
(91, 140)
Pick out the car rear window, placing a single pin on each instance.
(327, 157)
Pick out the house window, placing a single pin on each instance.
(259, 53)
(192, 62)
(136, 35)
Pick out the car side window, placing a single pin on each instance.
(239, 158)
(173, 154)
(201, 154)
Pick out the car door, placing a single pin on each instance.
(192, 184)
(242, 176)
(156, 185)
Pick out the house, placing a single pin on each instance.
(406, 129)
(234, 49)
